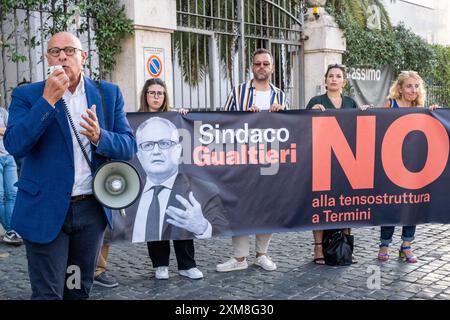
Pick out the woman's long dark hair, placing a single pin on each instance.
(144, 107)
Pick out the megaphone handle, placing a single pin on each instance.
(122, 212)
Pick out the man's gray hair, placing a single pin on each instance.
(173, 129)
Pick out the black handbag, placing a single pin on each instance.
(337, 248)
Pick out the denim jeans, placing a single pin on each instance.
(77, 245)
(387, 233)
(8, 176)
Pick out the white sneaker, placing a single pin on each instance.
(13, 238)
(162, 273)
(266, 263)
(232, 265)
(192, 273)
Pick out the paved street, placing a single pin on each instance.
(296, 277)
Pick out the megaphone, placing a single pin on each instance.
(116, 185)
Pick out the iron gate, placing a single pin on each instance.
(214, 42)
(23, 41)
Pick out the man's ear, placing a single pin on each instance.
(84, 56)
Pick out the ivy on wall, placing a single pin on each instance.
(397, 46)
(441, 74)
(110, 26)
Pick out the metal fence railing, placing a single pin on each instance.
(23, 38)
(438, 95)
(214, 41)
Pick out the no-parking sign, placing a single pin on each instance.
(154, 63)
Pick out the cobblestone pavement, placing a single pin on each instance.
(295, 278)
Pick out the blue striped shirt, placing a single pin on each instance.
(241, 97)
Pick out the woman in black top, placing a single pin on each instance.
(335, 80)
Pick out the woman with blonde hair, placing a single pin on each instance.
(408, 90)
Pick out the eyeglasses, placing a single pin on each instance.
(69, 51)
(162, 144)
(155, 94)
(336, 65)
(258, 64)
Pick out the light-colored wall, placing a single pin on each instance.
(324, 46)
(154, 24)
(427, 18)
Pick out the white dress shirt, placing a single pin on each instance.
(77, 104)
(140, 222)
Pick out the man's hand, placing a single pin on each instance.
(55, 86)
(191, 219)
(91, 125)
(275, 107)
(254, 109)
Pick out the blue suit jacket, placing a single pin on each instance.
(41, 134)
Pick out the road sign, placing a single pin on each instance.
(154, 63)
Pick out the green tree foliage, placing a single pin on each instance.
(415, 54)
(441, 75)
(397, 46)
(111, 26)
(439, 83)
(355, 10)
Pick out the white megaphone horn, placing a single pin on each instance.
(116, 185)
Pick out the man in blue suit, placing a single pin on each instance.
(56, 213)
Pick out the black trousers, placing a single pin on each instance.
(64, 268)
(159, 252)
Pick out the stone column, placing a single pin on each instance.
(325, 45)
(154, 23)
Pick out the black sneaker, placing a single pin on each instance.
(13, 238)
(105, 280)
